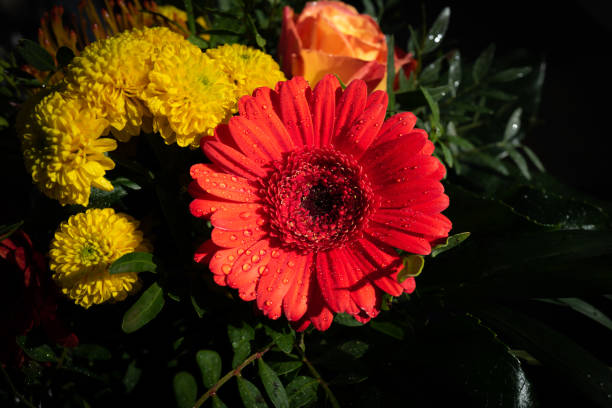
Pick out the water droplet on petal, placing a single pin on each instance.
(246, 267)
(226, 269)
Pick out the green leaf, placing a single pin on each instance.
(588, 310)
(388, 328)
(198, 42)
(64, 56)
(447, 154)
(240, 337)
(43, 353)
(431, 72)
(451, 242)
(252, 30)
(284, 341)
(209, 362)
(131, 377)
(185, 389)
(92, 352)
(284, 367)
(346, 319)
(35, 55)
(150, 303)
(302, 391)
(126, 182)
(390, 72)
(485, 160)
(273, 386)
(520, 162)
(482, 64)
(534, 158)
(217, 403)
(513, 125)
(342, 84)
(437, 31)
(7, 230)
(133, 262)
(511, 74)
(3, 123)
(354, 348)
(498, 95)
(454, 72)
(433, 105)
(104, 199)
(250, 394)
(566, 358)
(413, 265)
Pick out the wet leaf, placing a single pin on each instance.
(250, 394)
(433, 106)
(240, 337)
(273, 386)
(91, 352)
(511, 74)
(483, 63)
(454, 72)
(513, 125)
(534, 158)
(217, 403)
(209, 362)
(451, 242)
(437, 31)
(587, 310)
(520, 162)
(284, 367)
(302, 391)
(131, 377)
(185, 389)
(133, 262)
(284, 341)
(43, 353)
(447, 154)
(354, 348)
(150, 303)
(35, 55)
(430, 73)
(346, 319)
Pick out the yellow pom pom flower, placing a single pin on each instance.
(188, 94)
(247, 67)
(111, 73)
(62, 148)
(83, 249)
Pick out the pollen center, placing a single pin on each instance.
(318, 199)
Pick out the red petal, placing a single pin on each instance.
(318, 312)
(205, 252)
(399, 169)
(396, 150)
(231, 239)
(223, 135)
(226, 186)
(396, 126)
(223, 261)
(253, 141)
(289, 42)
(399, 239)
(260, 108)
(363, 131)
(429, 148)
(238, 217)
(232, 161)
(294, 110)
(410, 221)
(409, 285)
(377, 97)
(435, 205)
(362, 291)
(323, 108)
(380, 263)
(248, 268)
(278, 279)
(348, 108)
(333, 282)
(295, 301)
(410, 193)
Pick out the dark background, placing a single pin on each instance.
(572, 135)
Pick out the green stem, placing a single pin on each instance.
(17, 394)
(190, 18)
(235, 372)
(315, 374)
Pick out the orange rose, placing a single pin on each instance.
(332, 37)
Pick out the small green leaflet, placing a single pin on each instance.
(133, 262)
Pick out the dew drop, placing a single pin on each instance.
(226, 269)
(222, 185)
(246, 267)
(247, 233)
(268, 303)
(255, 258)
(233, 237)
(275, 253)
(231, 258)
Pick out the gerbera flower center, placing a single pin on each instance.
(318, 199)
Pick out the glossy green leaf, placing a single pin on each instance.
(209, 362)
(520, 162)
(185, 389)
(133, 262)
(126, 182)
(240, 338)
(451, 242)
(7, 230)
(43, 353)
(284, 367)
(587, 310)
(431, 72)
(388, 328)
(302, 391)
(433, 106)
(346, 319)
(483, 63)
(217, 403)
(454, 72)
(150, 303)
(91, 352)
(437, 31)
(131, 377)
(284, 341)
(447, 154)
(273, 385)
(35, 55)
(579, 367)
(413, 266)
(250, 394)
(534, 158)
(64, 56)
(511, 74)
(513, 125)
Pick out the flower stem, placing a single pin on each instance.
(315, 373)
(18, 395)
(235, 372)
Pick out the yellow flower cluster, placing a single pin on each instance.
(83, 249)
(149, 79)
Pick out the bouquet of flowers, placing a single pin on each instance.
(269, 203)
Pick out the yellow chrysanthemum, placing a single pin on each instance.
(188, 94)
(111, 73)
(83, 249)
(62, 148)
(248, 67)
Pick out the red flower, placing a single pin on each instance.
(309, 192)
(28, 293)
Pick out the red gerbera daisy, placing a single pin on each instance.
(310, 192)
